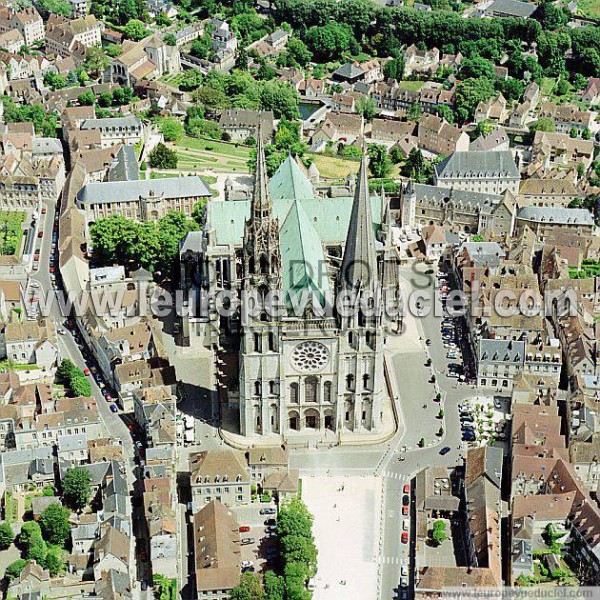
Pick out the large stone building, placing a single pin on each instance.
(142, 199)
(457, 210)
(479, 171)
(307, 368)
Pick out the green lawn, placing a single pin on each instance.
(194, 154)
(11, 231)
(10, 508)
(332, 167)
(589, 8)
(411, 85)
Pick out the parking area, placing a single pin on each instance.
(257, 535)
(347, 516)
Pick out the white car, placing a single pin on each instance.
(404, 570)
(405, 525)
(404, 582)
(246, 563)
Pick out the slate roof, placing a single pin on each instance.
(170, 187)
(124, 166)
(513, 8)
(348, 70)
(478, 163)
(556, 214)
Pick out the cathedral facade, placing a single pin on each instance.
(316, 362)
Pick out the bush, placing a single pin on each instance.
(55, 524)
(14, 569)
(7, 535)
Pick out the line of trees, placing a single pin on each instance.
(72, 376)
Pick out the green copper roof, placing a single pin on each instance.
(330, 217)
(289, 182)
(303, 262)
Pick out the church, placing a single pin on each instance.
(313, 365)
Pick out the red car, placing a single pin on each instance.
(406, 488)
(244, 528)
(51, 269)
(40, 234)
(405, 537)
(405, 510)
(43, 210)
(86, 371)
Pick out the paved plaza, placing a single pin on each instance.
(347, 512)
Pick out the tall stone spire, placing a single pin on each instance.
(359, 266)
(261, 199)
(262, 264)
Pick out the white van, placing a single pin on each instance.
(310, 586)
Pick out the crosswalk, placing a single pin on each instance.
(394, 475)
(390, 560)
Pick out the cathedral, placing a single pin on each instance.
(316, 363)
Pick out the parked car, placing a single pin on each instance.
(246, 541)
(405, 525)
(405, 500)
(246, 563)
(271, 521)
(404, 570)
(267, 511)
(244, 529)
(113, 408)
(405, 510)
(40, 233)
(445, 450)
(404, 582)
(404, 537)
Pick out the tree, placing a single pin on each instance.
(394, 68)
(414, 167)
(562, 87)
(135, 30)
(366, 107)
(573, 132)
(171, 129)
(80, 385)
(299, 548)
(330, 42)
(281, 98)
(476, 68)
(298, 51)
(55, 561)
(58, 7)
(550, 16)
(7, 535)
(87, 98)
(29, 532)
(55, 524)
(169, 39)
(14, 569)
(65, 370)
(95, 61)
(379, 161)
(199, 210)
(543, 124)
(76, 488)
(469, 93)
(249, 588)
(484, 127)
(55, 80)
(438, 534)
(163, 158)
(128, 11)
(274, 586)
(445, 112)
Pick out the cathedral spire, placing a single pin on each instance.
(261, 199)
(359, 266)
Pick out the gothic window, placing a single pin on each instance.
(311, 385)
(366, 379)
(264, 265)
(271, 342)
(294, 393)
(350, 383)
(257, 342)
(257, 388)
(272, 387)
(310, 356)
(327, 391)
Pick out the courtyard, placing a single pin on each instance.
(347, 513)
(196, 154)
